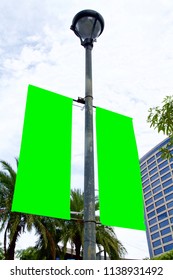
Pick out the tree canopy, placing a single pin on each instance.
(161, 119)
(54, 235)
(15, 223)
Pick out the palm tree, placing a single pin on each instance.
(10, 222)
(14, 223)
(50, 231)
(30, 253)
(106, 239)
(1, 253)
(51, 249)
(72, 231)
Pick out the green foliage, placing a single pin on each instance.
(9, 222)
(31, 253)
(50, 249)
(161, 118)
(53, 234)
(105, 236)
(64, 232)
(107, 239)
(1, 253)
(14, 224)
(165, 256)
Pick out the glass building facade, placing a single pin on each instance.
(157, 182)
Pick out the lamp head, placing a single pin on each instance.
(88, 26)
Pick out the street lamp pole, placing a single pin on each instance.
(88, 25)
(89, 187)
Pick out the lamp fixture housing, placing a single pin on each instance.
(88, 26)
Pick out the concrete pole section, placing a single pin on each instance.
(89, 188)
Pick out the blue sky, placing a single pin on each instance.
(132, 69)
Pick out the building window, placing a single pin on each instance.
(171, 219)
(170, 204)
(158, 154)
(152, 165)
(168, 247)
(152, 221)
(155, 235)
(149, 201)
(164, 170)
(162, 216)
(153, 171)
(156, 243)
(158, 251)
(151, 159)
(170, 212)
(167, 183)
(155, 183)
(157, 195)
(153, 228)
(165, 231)
(151, 214)
(160, 201)
(147, 195)
(168, 197)
(167, 239)
(160, 209)
(143, 165)
(145, 183)
(163, 178)
(157, 189)
(160, 159)
(163, 224)
(150, 207)
(147, 189)
(154, 177)
(144, 177)
(144, 171)
(163, 164)
(168, 190)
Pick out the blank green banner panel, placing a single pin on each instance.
(44, 171)
(119, 179)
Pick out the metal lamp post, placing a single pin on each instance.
(88, 25)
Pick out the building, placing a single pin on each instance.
(157, 182)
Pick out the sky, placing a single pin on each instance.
(132, 72)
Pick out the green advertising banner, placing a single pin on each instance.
(44, 170)
(119, 179)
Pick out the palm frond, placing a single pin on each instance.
(8, 168)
